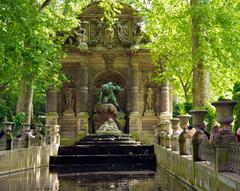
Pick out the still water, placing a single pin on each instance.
(41, 179)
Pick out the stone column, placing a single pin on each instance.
(82, 97)
(51, 115)
(158, 100)
(135, 123)
(165, 103)
(170, 99)
(134, 100)
(51, 100)
(164, 128)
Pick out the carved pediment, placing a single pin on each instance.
(125, 32)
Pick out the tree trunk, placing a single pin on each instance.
(25, 98)
(201, 77)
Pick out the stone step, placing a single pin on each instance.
(138, 168)
(68, 128)
(68, 122)
(103, 159)
(107, 149)
(105, 153)
(131, 142)
(107, 139)
(106, 136)
(66, 134)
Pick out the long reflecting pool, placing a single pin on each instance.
(41, 179)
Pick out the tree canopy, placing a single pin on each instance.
(32, 34)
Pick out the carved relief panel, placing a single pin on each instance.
(91, 29)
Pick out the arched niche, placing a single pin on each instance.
(111, 76)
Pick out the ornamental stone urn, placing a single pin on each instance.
(163, 130)
(54, 133)
(224, 115)
(39, 135)
(176, 132)
(199, 124)
(48, 138)
(7, 129)
(25, 134)
(184, 137)
(167, 135)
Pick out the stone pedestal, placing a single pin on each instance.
(184, 137)
(135, 123)
(51, 118)
(175, 135)
(199, 125)
(149, 113)
(68, 113)
(82, 122)
(149, 121)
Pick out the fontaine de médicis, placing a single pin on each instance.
(117, 122)
(98, 54)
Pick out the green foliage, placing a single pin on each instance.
(169, 25)
(181, 108)
(5, 112)
(236, 97)
(111, 10)
(18, 124)
(210, 117)
(31, 42)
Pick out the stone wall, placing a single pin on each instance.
(25, 158)
(201, 175)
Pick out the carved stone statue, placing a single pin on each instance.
(69, 102)
(149, 99)
(107, 94)
(109, 125)
(81, 37)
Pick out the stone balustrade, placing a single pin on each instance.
(27, 139)
(223, 152)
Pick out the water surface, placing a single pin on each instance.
(41, 179)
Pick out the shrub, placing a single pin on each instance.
(210, 117)
(18, 121)
(236, 97)
(181, 108)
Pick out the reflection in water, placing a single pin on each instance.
(42, 180)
